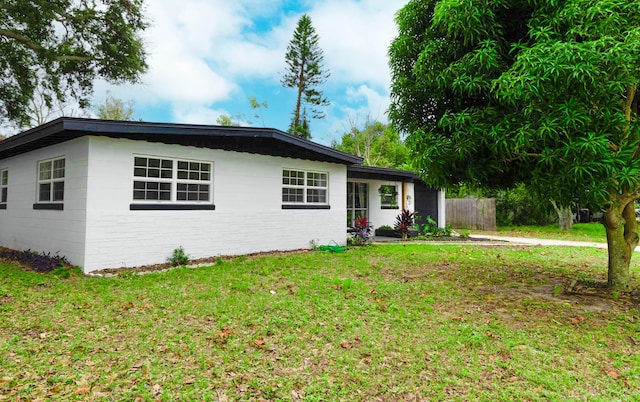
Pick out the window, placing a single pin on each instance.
(357, 201)
(4, 183)
(304, 189)
(388, 197)
(51, 181)
(183, 184)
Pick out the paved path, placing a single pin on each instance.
(541, 242)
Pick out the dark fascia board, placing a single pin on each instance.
(66, 128)
(378, 173)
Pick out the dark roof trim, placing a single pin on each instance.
(378, 173)
(265, 141)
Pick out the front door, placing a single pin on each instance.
(357, 201)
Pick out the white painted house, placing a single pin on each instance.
(109, 194)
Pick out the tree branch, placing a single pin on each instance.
(517, 158)
(20, 38)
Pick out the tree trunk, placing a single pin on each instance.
(622, 239)
(565, 216)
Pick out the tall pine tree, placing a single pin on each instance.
(305, 72)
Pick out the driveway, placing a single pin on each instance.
(540, 242)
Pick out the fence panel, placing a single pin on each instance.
(471, 213)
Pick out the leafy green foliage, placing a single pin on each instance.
(116, 109)
(497, 93)
(178, 257)
(377, 144)
(305, 72)
(62, 47)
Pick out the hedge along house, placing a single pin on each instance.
(108, 194)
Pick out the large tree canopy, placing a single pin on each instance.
(63, 46)
(542, 92)
(377, 144)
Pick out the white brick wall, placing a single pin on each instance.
(63, 232)
(248, 216)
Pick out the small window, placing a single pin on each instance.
(51, 175)
(302, 187)
(388, 197)
(4, 187)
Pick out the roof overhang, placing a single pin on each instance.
(378, 173)
(264, 141)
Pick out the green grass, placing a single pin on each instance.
(388, 322)
(593, 232)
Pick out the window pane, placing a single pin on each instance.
(153, 173)
(316, 196)
(45, 171)
(183, 175)
(140, 172)
(44, 192)
(292, 195)
(5, 177)
(140, 161)
(138, 195)
(166, 174)
(154, 163)
(58, 169)
(167, 164)
(58, 191)
(4, 195)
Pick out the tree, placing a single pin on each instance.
(521, 91)
(63, 46)
(116, 109)
(376, 143)
(305, 72)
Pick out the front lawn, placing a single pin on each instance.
(386, 322)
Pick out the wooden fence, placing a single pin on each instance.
(471, 213)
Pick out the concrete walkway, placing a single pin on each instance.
(540, 242)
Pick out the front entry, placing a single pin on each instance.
(357, 201)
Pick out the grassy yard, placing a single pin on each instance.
(381, 323)
(580, 232)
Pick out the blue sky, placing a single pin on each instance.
(207, 57)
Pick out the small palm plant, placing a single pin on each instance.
(404, 222)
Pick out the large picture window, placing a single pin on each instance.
(51, 181)
(4, 188)
(164, 181)
(304, 188)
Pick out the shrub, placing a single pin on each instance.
(404, 222)
(178, 258)
(385, 227)
(431, 228)
(43, 262)
(361, 231)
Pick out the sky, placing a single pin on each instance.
(208, 57)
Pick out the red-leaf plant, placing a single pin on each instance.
(404, 222)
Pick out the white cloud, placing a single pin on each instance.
(202, 53)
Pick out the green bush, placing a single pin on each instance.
(178, 258)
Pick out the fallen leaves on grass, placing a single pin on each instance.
(259, 342)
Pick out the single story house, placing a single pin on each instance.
(109, 194)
